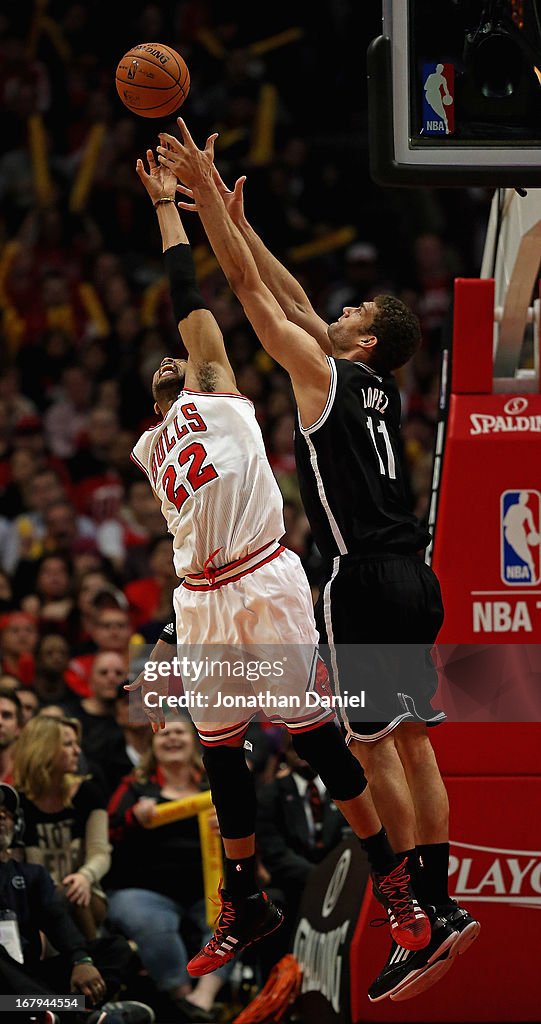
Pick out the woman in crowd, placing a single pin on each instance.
(65, 815)
(156, 880)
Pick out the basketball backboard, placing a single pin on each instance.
(454, 89)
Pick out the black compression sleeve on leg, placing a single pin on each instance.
(233, 790)
(185, 295)
(325, 750)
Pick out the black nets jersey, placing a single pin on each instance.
(350, 471)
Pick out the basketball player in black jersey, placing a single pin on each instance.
(378, 591)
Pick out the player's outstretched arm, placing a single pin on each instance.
(289, 344)
(197, 326)
(283, 285)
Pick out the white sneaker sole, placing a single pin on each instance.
(465, 939)
(415, 976)
(424, 981)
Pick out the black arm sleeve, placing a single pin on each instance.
(185, 295)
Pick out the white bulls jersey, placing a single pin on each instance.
(206, 462)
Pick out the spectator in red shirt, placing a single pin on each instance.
(151, 598)
(18, 640)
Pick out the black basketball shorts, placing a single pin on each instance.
(378, 619)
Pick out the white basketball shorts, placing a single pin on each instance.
(247, 647)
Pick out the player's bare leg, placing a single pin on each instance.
(425, 782)
(389, 787)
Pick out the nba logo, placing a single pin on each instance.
(521, 537)
(438, 99)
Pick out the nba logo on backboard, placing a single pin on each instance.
(438, 83)
(521, 537)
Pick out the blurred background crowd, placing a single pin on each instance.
(85, 561)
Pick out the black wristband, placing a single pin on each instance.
(169, 633)
(185, 295)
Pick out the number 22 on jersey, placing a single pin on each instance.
(197, 476)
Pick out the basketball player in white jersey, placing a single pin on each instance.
(242, 589)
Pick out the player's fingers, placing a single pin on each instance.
(186, 137)
(239, 185)
(191, 207)
(133, 686)
(209, 145)
(170, 141)
(151, 159)
(184, 189)
(219, 180)
(140, 170)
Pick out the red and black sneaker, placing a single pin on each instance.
(240, 923)
(410, 927)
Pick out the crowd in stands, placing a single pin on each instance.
(85, 561)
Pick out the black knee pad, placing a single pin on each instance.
(233, 791)
(325, 750)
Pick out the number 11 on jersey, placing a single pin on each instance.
(382, 429)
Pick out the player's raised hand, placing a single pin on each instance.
(160, 182)
(233, 199)
(192, 166)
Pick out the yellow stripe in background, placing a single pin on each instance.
(290, 35)
(211, 851)
(87, 168)
(262, 148)
(327, 243)
(176, 810)
(211, 843)
(94, 308)
(152, 297)
(40, 165)
(210, 41)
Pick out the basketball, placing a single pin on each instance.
(152, 80)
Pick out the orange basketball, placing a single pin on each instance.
(152, 80)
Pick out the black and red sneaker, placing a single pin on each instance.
(410, 927)
(240, 923)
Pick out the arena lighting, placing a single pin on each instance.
(455, 99)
